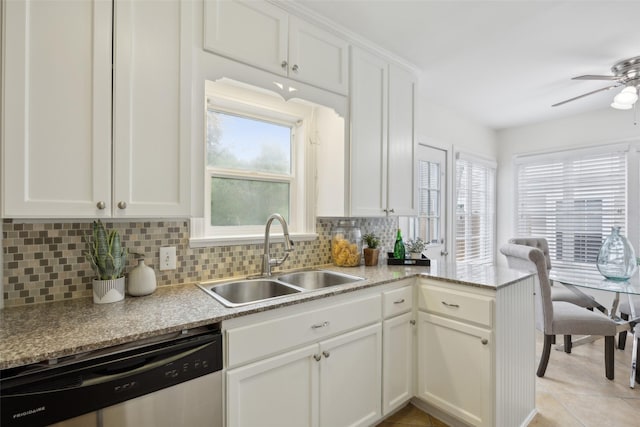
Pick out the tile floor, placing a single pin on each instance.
(573, 393)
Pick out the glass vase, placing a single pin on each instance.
(616, 259)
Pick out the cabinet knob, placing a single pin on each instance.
(295, 68)
(392, 210)
(101, 205)
(326, 354)
(284, 64)
(484, 341)
(317, 357)
(412, 322)
(122, 204)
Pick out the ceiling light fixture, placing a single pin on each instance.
(626, 98)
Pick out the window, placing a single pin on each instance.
(247, 158)
(572, 199)
(429, 191)
(475, 210)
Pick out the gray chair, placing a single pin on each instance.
(559, 317)
(558, 291)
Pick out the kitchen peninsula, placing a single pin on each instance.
(475, 335)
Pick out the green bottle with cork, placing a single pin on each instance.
(398, 248)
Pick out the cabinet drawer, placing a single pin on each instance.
(397, 301)
(457, 304)
(251, 342)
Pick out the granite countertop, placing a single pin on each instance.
(34, 333)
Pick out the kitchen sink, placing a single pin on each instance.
(235, 294)
(317, 279)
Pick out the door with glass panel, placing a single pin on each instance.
(430, 223)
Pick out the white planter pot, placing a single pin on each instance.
(105, 291)
(416, 255)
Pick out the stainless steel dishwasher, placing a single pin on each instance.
(172, 380)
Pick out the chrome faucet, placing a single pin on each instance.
(267, 261)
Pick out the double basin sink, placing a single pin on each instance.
(243, 292)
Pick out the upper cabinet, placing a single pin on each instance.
(64, 154)
(262, 35)
(382, 137)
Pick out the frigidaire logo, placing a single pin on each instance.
(29, 412)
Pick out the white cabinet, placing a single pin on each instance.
(56, 108)
(476, 351)
(265, 36)
(316, 365)
(398, 349)
(382, 137)
(60, 158)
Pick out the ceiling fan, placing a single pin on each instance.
(625, 73)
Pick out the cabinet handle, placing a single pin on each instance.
(317, 357)
(400, 301)
(392, 210)
(484, 341)
(320, 325)
(295, 68)
(122, 204)
(412, 322)
(326, 354)
(450, 305)
(284, 64)
(101, 205)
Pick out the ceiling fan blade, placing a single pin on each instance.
(593, 77)
(587, 94)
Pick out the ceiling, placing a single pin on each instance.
(500, 63)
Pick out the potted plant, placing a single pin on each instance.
(415, 247)
(107, 257)
(371, 252)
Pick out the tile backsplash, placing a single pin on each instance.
(44, 261)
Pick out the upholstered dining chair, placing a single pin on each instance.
(559, 317)
(558, 291)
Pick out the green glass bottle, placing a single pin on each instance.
(398, 248)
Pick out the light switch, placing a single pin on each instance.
(168, 258)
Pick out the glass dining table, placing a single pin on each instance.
(578, 280)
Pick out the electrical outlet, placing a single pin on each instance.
(168, 258)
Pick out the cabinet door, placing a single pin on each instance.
(350, 378)
(317, 57)
(280, 391)
(397, 357)
(368, 192)
(401, 178)
(152, 90)
(455, 368)
(56, 109)
(254, 32)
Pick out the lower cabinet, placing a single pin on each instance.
(455, 369)
(398, 360)
(332, 383)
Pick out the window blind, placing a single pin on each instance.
(475, 210)
(572, 201)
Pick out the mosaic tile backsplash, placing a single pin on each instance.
(43, 262)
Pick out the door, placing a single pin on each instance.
(277, 392)
(431, 222)
(454, 368)
(397, 357)
(350, 378)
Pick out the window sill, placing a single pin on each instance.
(205, 242)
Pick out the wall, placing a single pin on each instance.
(43, 261)
(584, 130)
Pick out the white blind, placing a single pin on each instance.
(475, 210)
(572, 201)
